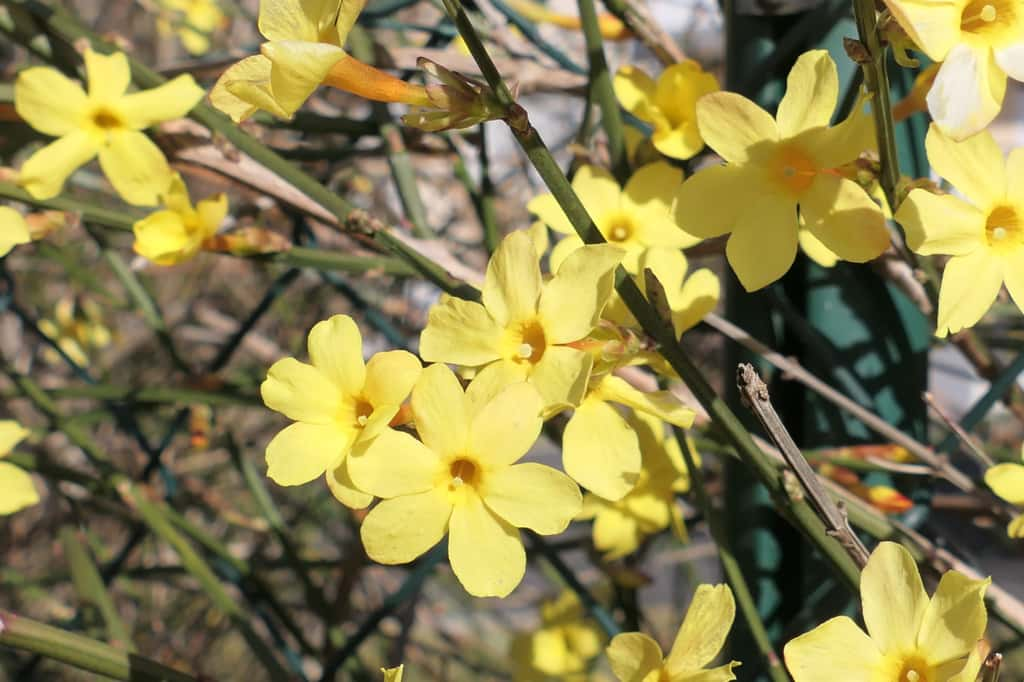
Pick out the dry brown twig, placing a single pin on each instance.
(755, 396)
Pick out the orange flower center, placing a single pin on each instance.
(1003, 229)
(989, 19)
(792, 170)
(362, 412)
(106, 119)
(619, 228)
(529, 343)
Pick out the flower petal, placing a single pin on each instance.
(975, 166)
(654, 185)
(300, 392)
(344, 490)
(709, 203)
(335, 348)
(298, 69)
(633, 656)
(11, 433)
(597, 189)
(969, 287)
(507, 426)
(1006, 480)
(571, 303)
(289, 19)
(683, 142)
(244, 88)
(699, 296)
(174, 99)
(1010, 59)
(893, 598)
(734, 126)
(955, 618)
(135, 167)
(439, 407)
(704, 629)
(399, 530)
(616, 532)
(968, 92)
(17, 490)
(941, 224)
(662, 404)
(13, 230)
(461, 332)
(485, 552)
(302, 452)
(512, 284)
(635, 91)
(390, 376)
(836, 650)
(815, 250)
(162, 238)
(512, 494)
(847, 221)
(1015, 176)
(600, 451)
(546, 207)
(108, 75)
(37, 92)
(762, 246)
(44, 173)
(393, 464)
(561, 377)
(812, 89)
(934, 25)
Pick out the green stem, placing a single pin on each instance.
(600, 82)
(91, 590)
(659, 329)
(82, 652)
(731, 567)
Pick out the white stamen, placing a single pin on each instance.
(525, 351)
(988, 13)
(913, 676)
(362, 419)
(789, 171)
(457, 481)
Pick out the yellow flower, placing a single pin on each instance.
(197, 21)
(984, 235)
(13, 230)
(1007, 481)
(337, 403)
(106, 122)
(912, 638)
(76, 329)
(635, 657)
(177, 232)
(16, 488)
(776, 166)
(620, 526)
(690, 296)
(669, 105)
(563, 644)
(609, 26)
(600, 449)
(633, 218)
(462, 480)
(979, 42)
(393, 674)
(524, 324)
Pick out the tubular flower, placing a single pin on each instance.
(393, 674)
(177, 232)
(1007, 481)
(600, 449)
(462, 480)
(776, 167)
(979, 42)
(911, 638)
(984, 235)
(668, 104)
(525, 325)
(563, 644)
(17, 490)
(196, 21)
(632, 218)
(620, 526)
(106, 122)
(337, 402)
(635, 657)
(13, 230)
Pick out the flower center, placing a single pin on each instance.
(989, 19)
(529, 342)
(1003, 229)
(792, 170)
(915, 670)
(462, 472)
(619, 229)
(363, 411)
(106, 119)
